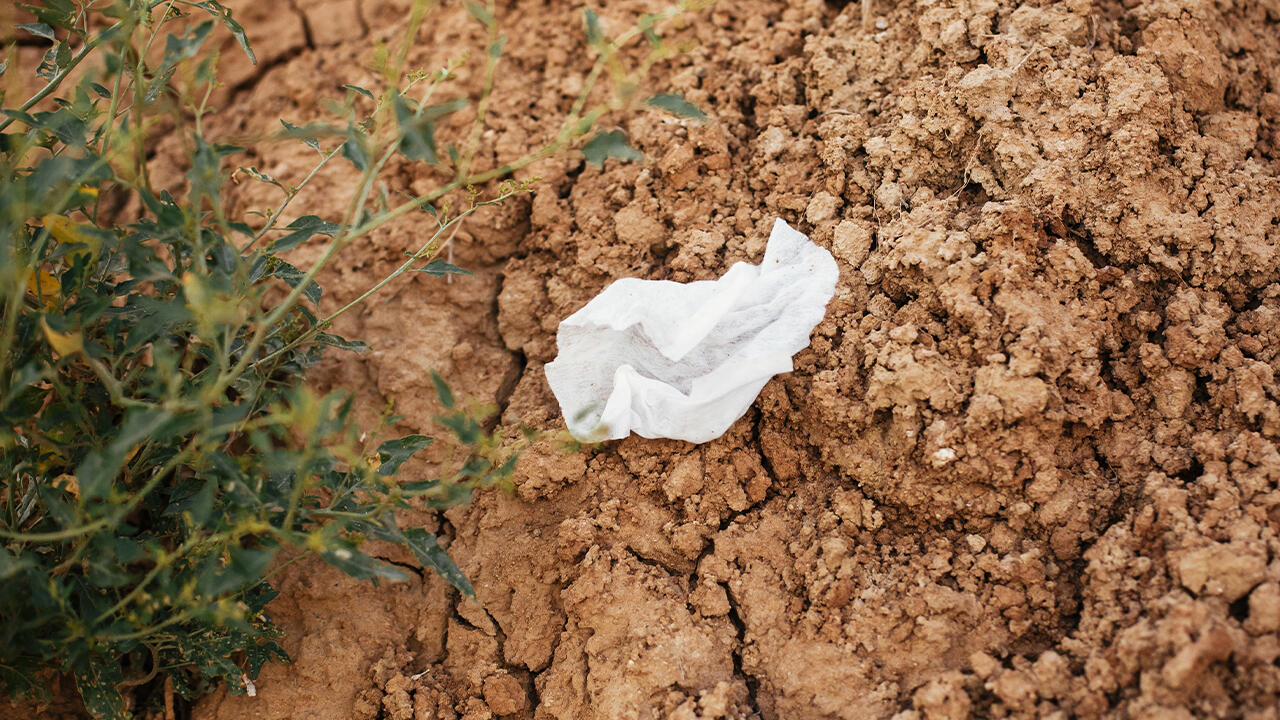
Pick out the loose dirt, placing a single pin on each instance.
(1027, 468)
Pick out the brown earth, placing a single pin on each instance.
(1028, 466)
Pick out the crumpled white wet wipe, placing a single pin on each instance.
(685, 360)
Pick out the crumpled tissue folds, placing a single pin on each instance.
(685, 360)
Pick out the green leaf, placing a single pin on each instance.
(158, 85)
(58, 13)
(362, 91)
(508, 467)
(594, 34)
(439, 110)
(244, 567)
(304, 228)
(206, 174)
(442, 390)
(40, 30)
(465, 427)
(481, 13)
(259, 654)
(414, 487)
(612, 144)
(100, 467)
(495, 48)
(429, 553)
(440, 268)
(198, 503)
(417, 126)
(98, 680)
(340, 342)
(418, 140)
(11, 565)
(293, 276)
(61, 123)
(154, 316)
(223, 13)
(360, 566)
(678, 105)
(353, 149)
(393, 453)
(177, 49)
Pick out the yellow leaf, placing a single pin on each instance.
(65, 231)
(45, 286)
(65, 344)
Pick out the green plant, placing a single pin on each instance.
(161, 457)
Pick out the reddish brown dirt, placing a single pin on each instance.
(1028, 466)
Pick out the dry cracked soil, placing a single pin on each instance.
(1028, 466)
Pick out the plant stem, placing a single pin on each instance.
(288, 198)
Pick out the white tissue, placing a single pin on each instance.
(685, 360)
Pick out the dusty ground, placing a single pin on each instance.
(1027, 468)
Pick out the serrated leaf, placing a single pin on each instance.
(98, 681)
(440, 268)
(427, 549)
(393, 453)
(611, 144)
(678, 105)
(259, 654)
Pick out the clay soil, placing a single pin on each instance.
(1028, 466)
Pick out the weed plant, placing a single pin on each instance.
(161, 456)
